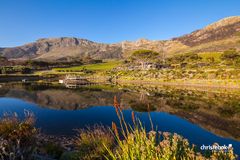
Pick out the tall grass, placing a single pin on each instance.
(138, 144)
(17, 137)
(89, 142)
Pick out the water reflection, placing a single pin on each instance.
(217, 111)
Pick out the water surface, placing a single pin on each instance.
(203, 116)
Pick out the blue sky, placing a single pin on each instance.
(108, 21)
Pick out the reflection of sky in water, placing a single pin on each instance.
(64, 121)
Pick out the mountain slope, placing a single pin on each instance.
(63, 49)
(225, 28)
(218, 36)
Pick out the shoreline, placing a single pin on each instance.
(187, 83)
(197, 83)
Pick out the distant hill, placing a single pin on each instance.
(218, 36)
(51, 49)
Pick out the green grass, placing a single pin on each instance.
(105, 66)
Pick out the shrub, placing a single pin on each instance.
(144, 55)
(186, 57)
(137, 143)
(89, 142)
(230, 54)
(17, 138)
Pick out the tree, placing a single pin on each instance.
(144, 56)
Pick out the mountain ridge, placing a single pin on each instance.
(221, 29)
(214, 37)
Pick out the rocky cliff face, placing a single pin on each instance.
(218, 36)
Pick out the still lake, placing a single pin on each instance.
(202, 115)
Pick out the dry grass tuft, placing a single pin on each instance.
(17, 137)
(89, 142)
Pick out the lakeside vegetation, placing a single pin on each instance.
(149, 66)
(211, 68)
(137, 143)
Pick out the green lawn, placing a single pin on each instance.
(93, 67)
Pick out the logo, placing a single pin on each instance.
(216, 147)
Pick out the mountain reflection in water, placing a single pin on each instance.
(217, 111)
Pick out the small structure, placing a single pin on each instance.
(61, 81)
(151, 65)
(74, 80)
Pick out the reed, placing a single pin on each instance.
(138, 144)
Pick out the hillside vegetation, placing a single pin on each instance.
(188, 66)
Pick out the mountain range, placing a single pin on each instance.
(215, 37)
